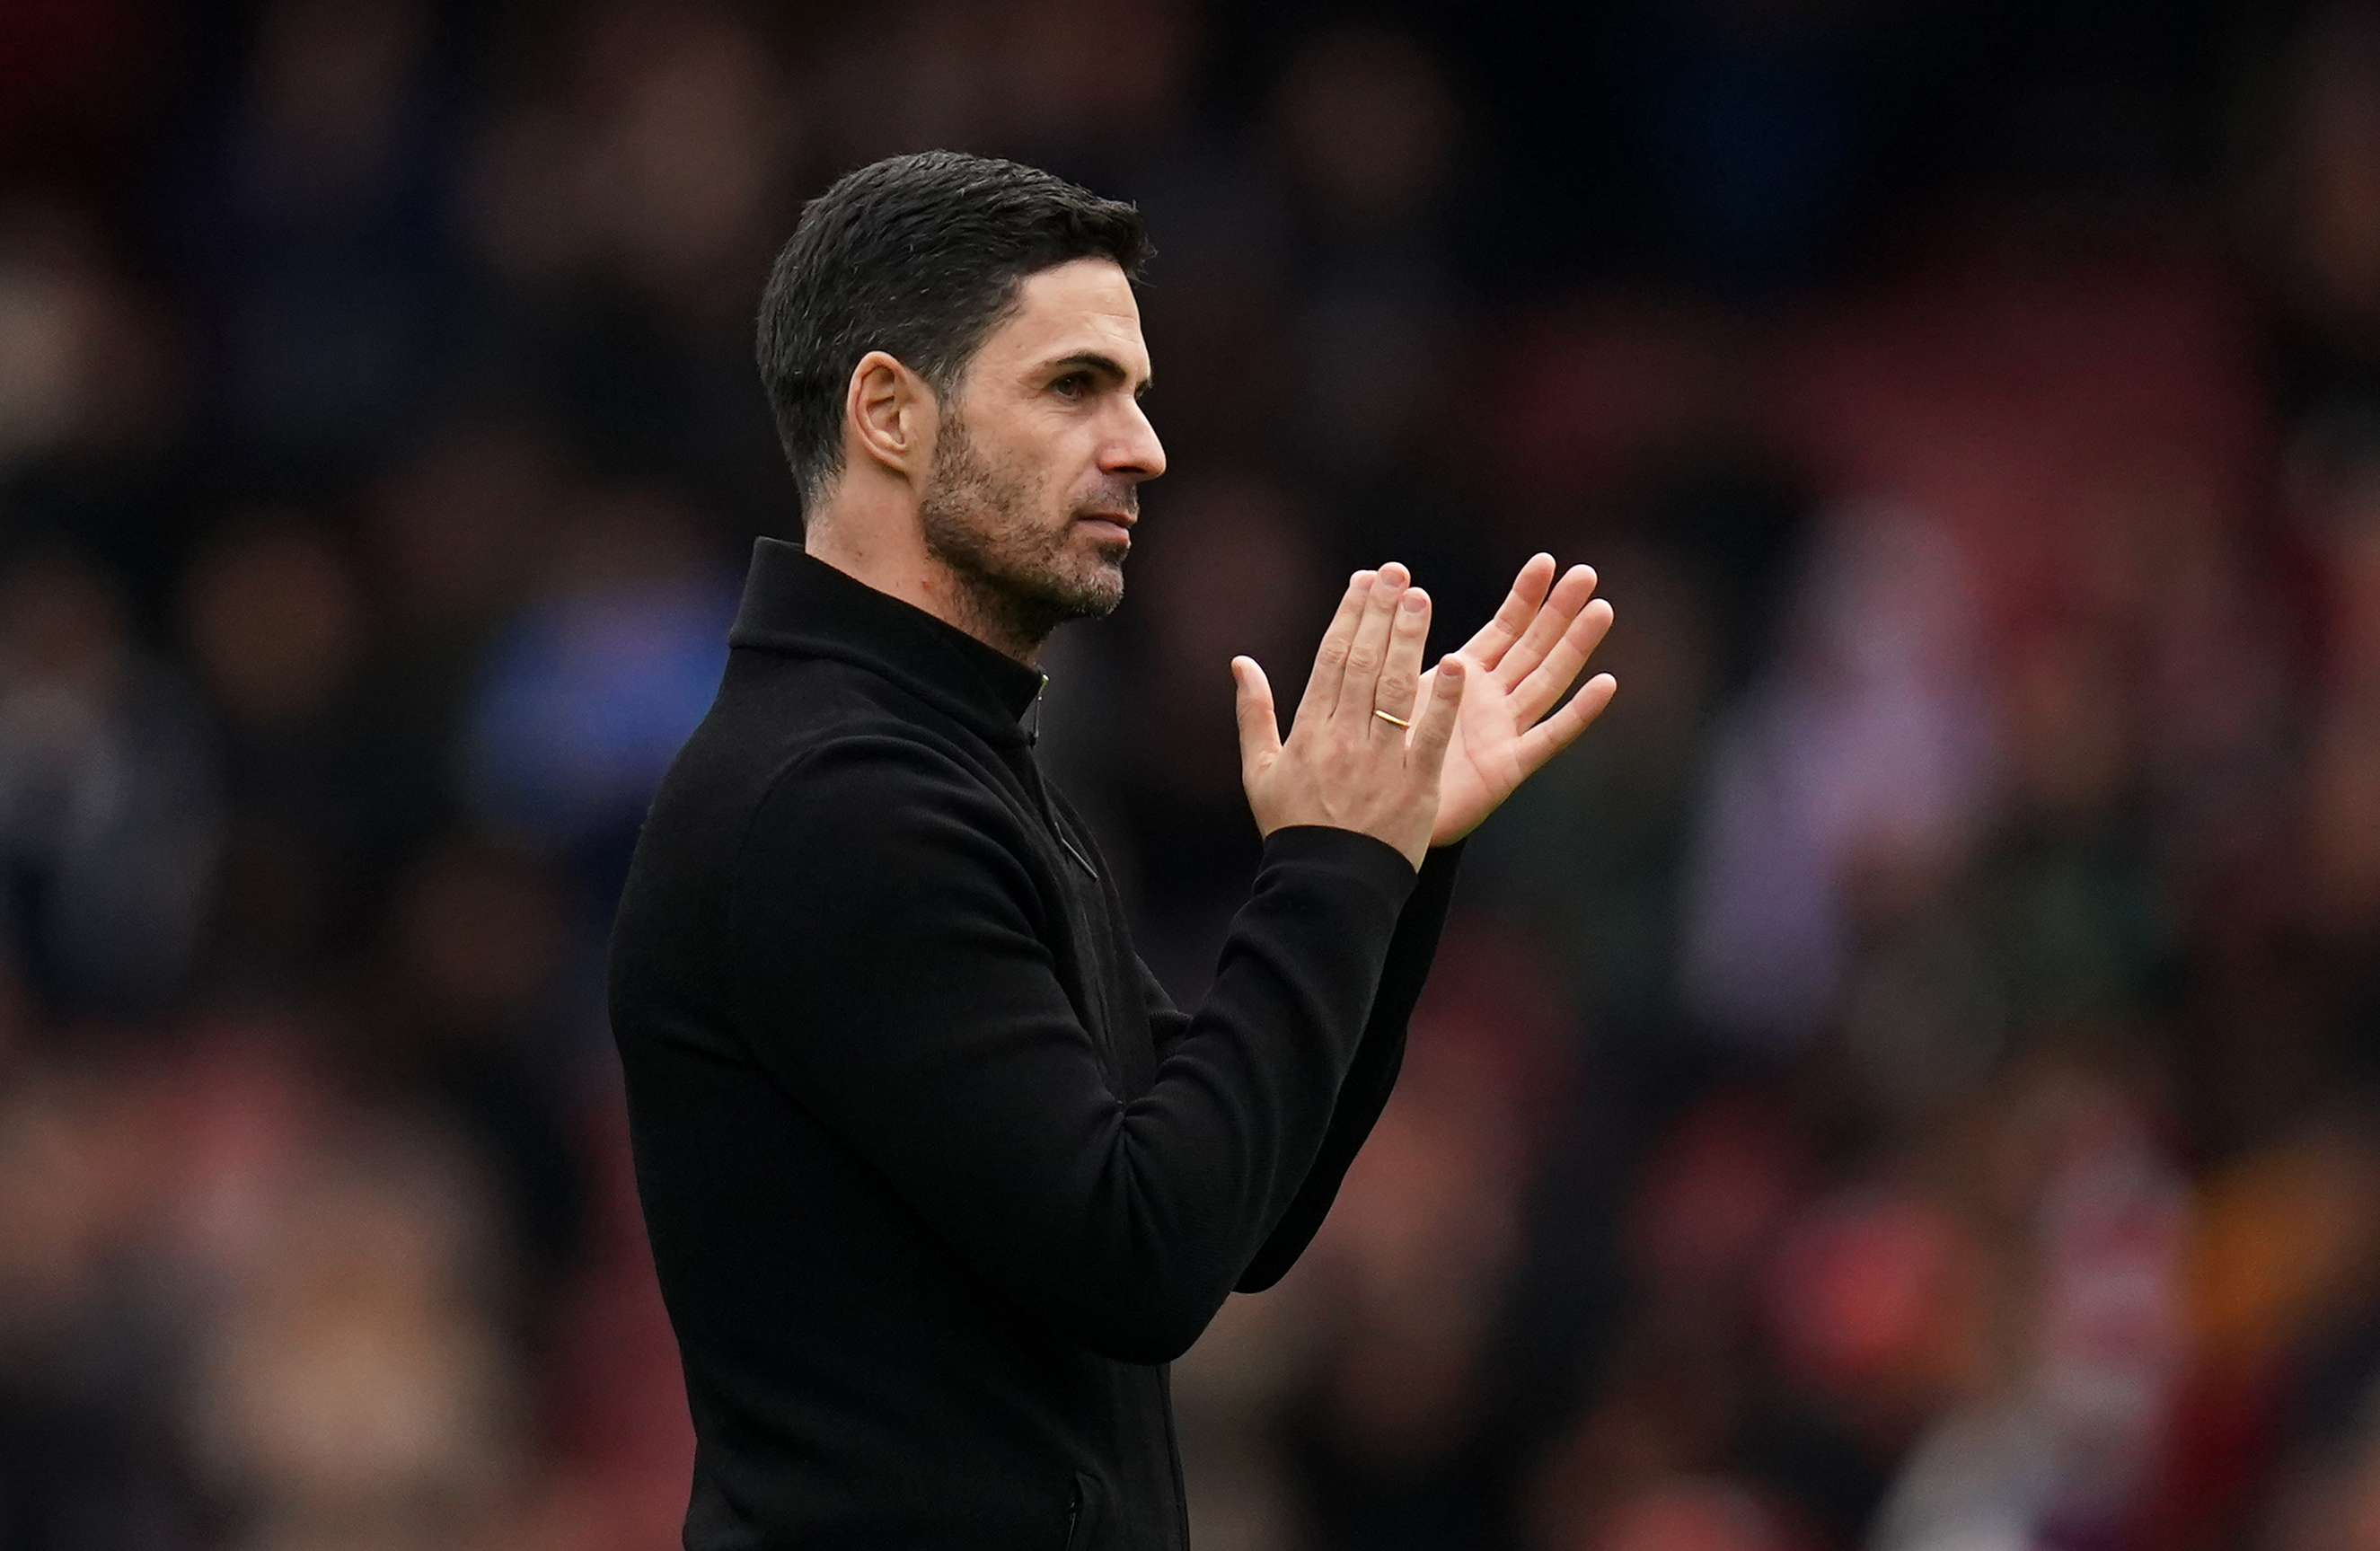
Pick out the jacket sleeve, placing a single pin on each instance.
(1371, 1079)
(1372, 1076)
(890, 966)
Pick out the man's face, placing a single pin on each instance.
(1039, 454)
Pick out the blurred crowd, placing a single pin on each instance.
(1910, 1078)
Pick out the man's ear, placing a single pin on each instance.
(891, 414)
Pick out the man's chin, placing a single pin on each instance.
(1099, 599)
(1097, 586)
(1089, 593)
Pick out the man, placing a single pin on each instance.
(938, 1180)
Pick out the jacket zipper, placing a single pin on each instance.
(1040, 792)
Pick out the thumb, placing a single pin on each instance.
(1259, 729)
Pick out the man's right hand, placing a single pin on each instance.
(1344, 765)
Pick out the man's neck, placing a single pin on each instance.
(891, 557)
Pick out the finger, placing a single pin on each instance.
(1543, 687)
(1520, 605)
(1401, 674)
(1434, 729)
(1330, 657)
(1259, 727)
(1369, 649)
(1562, 606)
(1555, 734)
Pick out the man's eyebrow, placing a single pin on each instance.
(1106, 366)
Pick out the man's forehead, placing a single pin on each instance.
(1085, 305)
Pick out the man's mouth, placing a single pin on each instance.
(1115, 527)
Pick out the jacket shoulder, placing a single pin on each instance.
(821, 735)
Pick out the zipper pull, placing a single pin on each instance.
(1078, 856)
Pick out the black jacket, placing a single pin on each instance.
(937, 1178)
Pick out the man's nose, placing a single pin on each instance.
(1135, 452)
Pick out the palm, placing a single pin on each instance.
(1521, 662)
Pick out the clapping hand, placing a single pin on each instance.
(1520, 663)
(1367, 745)
(1464, 735)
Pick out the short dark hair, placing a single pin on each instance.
(920, 257)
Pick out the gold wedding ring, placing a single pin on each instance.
(1392, 720)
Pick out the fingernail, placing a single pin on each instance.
(1415, 602)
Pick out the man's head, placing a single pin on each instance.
(950, 343)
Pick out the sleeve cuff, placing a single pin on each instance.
(1374, 864)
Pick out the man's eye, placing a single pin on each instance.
(1072, 385)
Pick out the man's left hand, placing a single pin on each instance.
(1519, 665)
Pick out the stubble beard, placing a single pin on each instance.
(1021, 576)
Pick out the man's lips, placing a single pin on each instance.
(1110, 524)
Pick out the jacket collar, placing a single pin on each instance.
(803, 607)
